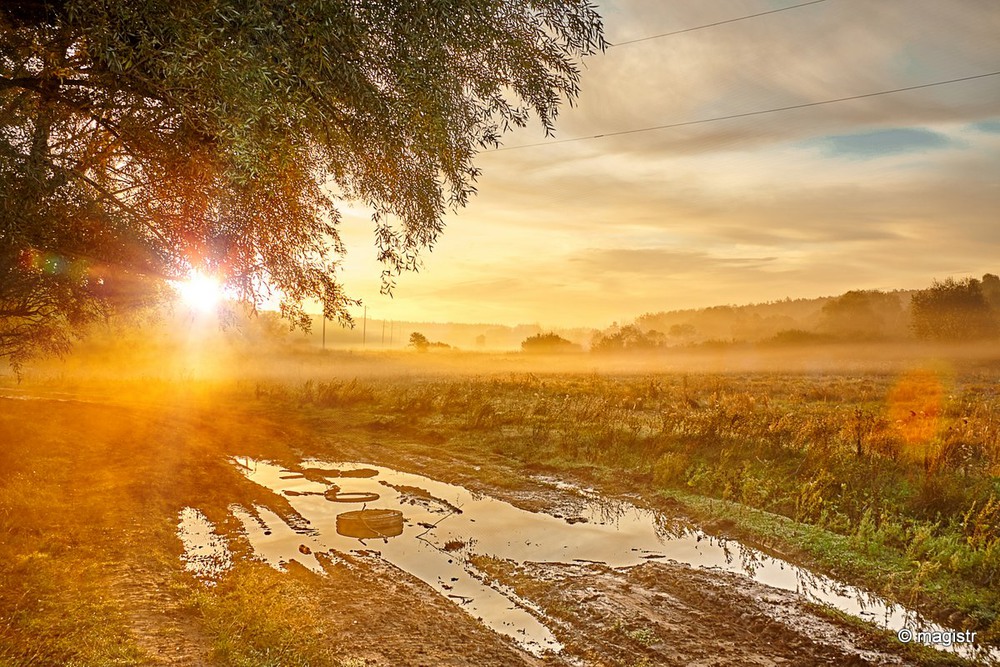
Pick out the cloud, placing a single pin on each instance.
(880, 143)
(659, 262)
(741, 210)
(990, 126)
(853, 48)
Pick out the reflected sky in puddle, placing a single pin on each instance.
(444, 523)
(206, 553)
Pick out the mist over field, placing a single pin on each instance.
(952, 322)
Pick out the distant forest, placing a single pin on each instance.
(948, 310)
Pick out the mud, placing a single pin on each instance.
(593, 579)
(162, 625)
(671, 614)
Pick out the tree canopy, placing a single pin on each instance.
(549, 343)
(954, 310)
(419, 342)
(629, 338)
(142, 140)
(864, 315)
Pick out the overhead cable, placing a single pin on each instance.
(746, 114)
(712, 25)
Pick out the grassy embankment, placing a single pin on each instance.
(889, 481)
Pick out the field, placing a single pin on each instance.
(884, 478)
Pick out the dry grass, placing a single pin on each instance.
(904, 465)
(902, 469)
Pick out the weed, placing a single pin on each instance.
(645, 636)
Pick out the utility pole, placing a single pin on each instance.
(323, 315)
(391, 323)
(383, 333)
(364, 329)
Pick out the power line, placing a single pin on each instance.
(712, 25)
(745, 114)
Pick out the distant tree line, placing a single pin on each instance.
(864, 315)
(950, 310)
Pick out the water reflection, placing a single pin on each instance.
(367, 524)
(206, 553)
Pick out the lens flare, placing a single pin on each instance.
(200, 292)
(915, 404)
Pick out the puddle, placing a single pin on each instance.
(428, 528)
(206, 553)
(276, 543)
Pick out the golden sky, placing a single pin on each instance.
(885, 192)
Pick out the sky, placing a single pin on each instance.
(880, 193)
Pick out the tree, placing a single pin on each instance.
(40, 305)
(684, 331)
(141, 141)
(863, 315)
(549, 343)
(953, 310)
(419, 342)
(991, 291)
(628, 339)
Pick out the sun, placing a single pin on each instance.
(200, 292)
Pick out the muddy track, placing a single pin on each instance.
(669, 614)
(657, 613)
(163, 628)
(386, 617)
